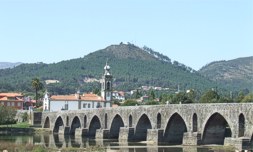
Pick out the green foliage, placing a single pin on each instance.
(116, 102)
(248, 98)
(233, 74)
(131, 66)
(181, 97)
(37, 85)
(130, 103)
(210, 96)
(152, 95)
(7, 115)
(151, 102)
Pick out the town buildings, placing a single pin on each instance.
(15, 100)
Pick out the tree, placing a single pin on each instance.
(130, 103)
(152, 94)
(210, 96)
(7, 115)
(248, 98)
(181, 97)
(37, 85)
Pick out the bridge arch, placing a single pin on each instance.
(58, 123)
(216, 129)
(95, 124)
(67, 121)
(117, 122)
(194, 122)
(76, 123)
(47, 123)
(159, 121)
(106, 120)
(174, 131)
(130, 121)
(241, 128)
(142, 127)
(85, 121)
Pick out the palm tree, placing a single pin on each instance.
(37, 85)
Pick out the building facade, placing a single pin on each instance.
(75, 102)
(15, 100)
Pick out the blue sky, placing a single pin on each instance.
(193, 32)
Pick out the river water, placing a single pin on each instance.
(61, 141)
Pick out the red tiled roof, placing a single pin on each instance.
(84, 97)
(11, 95)
(14, 96)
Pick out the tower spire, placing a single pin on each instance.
(106, 85)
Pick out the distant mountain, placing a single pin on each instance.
(4, 65)
(237, 73)
(131, 67)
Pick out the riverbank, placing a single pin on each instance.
(22, 131)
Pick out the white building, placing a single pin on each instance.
(76, 102)
(118, 95)
(85, 101)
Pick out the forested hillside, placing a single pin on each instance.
(131, 67)
(236, 74)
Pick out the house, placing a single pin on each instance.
(76, 102)
(15, 100)
(85, 101)
(118, 95)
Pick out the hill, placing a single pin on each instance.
(131, 67)
(237, 73)
(4, 65)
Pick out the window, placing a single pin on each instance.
(19, 104)
(84, 105)
(13, 104)
(8, 103)
(88, 105)
(98, 105)
(108, 87)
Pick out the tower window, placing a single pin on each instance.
(108, 86)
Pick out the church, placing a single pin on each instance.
(82, 101)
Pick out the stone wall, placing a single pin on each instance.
(174, 121)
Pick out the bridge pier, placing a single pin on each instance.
(102, 133)
(242, 143)
(192, 138)
(123, 134)
(154, 135)
(126, 134)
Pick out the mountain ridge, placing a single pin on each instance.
(236, 72)
(5, 65)
(132, 67)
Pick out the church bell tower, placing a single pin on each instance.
(106, 85)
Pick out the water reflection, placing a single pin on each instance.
(56, 141)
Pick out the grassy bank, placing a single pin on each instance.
(17, 125)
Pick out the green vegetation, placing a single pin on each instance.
(132, 67)
(17, 125)
(234, 74)
(7, 115)
(36, 85)
(130, 103)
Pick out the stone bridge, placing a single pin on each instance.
(173, 124)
